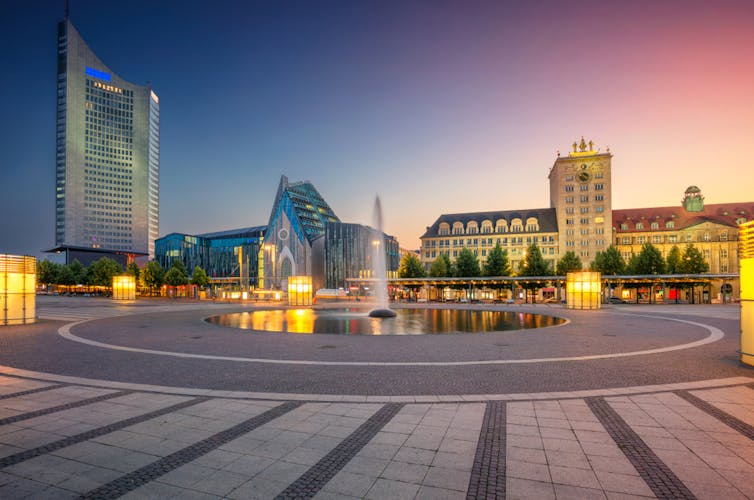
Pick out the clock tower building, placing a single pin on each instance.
(581, 194)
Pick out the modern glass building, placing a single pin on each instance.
(107, 154)
(347, 252)
(230, 256)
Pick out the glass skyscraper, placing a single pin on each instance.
(107, 154)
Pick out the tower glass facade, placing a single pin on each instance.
(107, 154)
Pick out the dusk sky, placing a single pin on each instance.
(438, 107)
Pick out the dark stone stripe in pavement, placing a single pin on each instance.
(63, 407)
(93, 433)
(488, 473)
(658, 476)
(129, 482)
(323, 471)
(726, 418)
(30, 391)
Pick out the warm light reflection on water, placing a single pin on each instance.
(406, 322)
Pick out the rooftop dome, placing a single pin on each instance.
(692, 189)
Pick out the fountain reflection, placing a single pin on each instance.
(406, 322)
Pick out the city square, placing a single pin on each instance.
(345, 250)
(146, 400)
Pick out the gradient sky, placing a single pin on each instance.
(438, 107)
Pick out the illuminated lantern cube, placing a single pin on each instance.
(18, 284)
(124, 287)
(300, 290)
(746, 255)
(583, 290)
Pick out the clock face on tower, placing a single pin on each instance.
(584, 176)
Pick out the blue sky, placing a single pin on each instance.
(438, 107)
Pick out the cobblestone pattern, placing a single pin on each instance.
(320, 473)
(726, 418)
(660, 479)
(30, 391)
(93, 433)
(488, 473)
(67, 406)
(148, 473)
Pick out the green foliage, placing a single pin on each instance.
(466, 265)
(673, 260)
(199, 277)
(65, 276)
(174, 277)
(649, 261)
(153, 275)
(47, 272)
(569, 263)
(80, 276)
(439, 267)
(101, 271)
(411, 266)
(497, 262)
(609, 262)
(534, 264)
(178, 264)
(692, 262)
(133, 270)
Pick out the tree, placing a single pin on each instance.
(692, 262)
(47, 272)
(569, 263)
(174, 277)
(609, 262)
(133, 270)
(466, 265)
(649, 261)
(439, 267)
(497, 262)
(178, 263)
(199, 277)
(411, 266)
(79, 272)
(102, 271)
(65, 276)
(673, 260)
(534, 265)
(153, 275)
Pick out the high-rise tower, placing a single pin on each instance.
(580, 192)
(107, 154)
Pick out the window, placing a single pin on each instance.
(724, 267)
(706, 254)
(569, 232)
(624, 227)
(569, 178)
(599, 197)
(673, 238)
(723, 253)
(570, 243)
(598, 175)
(656, 238)
(599, 230)
(584, 198)
(584, 232)
(569, 221)
(599, 209)
(585, 220)
(740, 220)
(569, 210)
(444, 229)
(639, 226)
(688, 238)
(599, 187)
(484, 253)
(584, 187)
(724, 236)
(569, 188)
(670, 224)
(654, 225)
(706, 236)
(584, 210)
(641, 240)
(569, 199)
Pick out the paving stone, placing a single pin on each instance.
(527, 470)
(347, 483)
(395, 490)
(566, 492)
(524, 489)
(623, 483)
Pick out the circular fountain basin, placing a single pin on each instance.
(405, 322)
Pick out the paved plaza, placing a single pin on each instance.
(146, 400)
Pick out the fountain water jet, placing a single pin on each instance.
(379, 269)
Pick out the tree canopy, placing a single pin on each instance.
(534, 264)
(497, 263)
(199, 277)
(692, 262)
(101, 271)
(649, 261)
(609, 262)
(174, 277)
(466, 264)
(153, 275)
(411, 266)
(673, 260)
(569, 263)
(440, 267)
